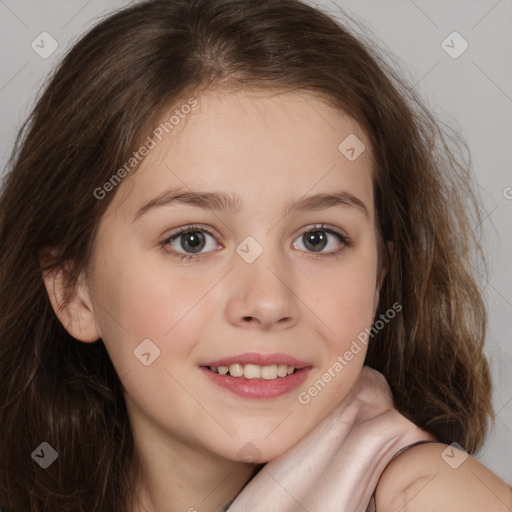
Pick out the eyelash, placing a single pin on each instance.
(192, 228)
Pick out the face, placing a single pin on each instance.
(264, 281)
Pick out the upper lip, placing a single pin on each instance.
(259, 359)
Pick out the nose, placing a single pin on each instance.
(262, 293)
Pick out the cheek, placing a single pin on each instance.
(345, 300)
(139, 300)
(344, 305)
(347, 313)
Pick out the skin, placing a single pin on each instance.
(268, 149)
(435, 477)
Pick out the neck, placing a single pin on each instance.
(177, 477)
(191, 491)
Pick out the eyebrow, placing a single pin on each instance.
(233, 203)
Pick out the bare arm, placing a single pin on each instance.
(436, 477)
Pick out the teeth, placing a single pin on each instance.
(268, 372)
(236, 370)
(282, 370)
(254, 371)
(251, 371)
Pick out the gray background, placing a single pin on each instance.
(471, 93)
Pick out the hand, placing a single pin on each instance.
(337, 465)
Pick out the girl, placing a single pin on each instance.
(235, 274)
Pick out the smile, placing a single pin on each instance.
(254, 371)
(257, 376)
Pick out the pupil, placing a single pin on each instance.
(316, 240)
(194, 240)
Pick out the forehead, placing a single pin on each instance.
(262, 147)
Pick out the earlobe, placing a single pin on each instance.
(72, 305)
(385, 267)
(376, 301)
(390, 247)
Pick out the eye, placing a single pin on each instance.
(316, 238)
(191, 239)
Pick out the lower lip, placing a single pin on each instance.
(258, 388)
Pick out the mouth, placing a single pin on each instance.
(254, 371)
(257, 375)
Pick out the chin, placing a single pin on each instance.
(259, 450)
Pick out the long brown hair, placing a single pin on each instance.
(100, 104)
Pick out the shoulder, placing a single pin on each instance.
(443, 478)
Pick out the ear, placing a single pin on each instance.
(389, 247)
(72, 305)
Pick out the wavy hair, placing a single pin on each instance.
(100, 103)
